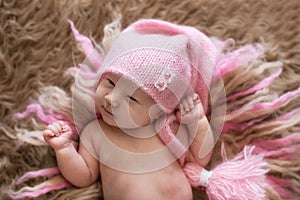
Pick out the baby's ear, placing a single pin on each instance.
(155, 112)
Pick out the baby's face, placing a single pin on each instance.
(122, 104)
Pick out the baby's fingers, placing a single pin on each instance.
(196, 98)
(55, 128)
(64, 127)
(47, 134)
(185, 105)
(188, 103)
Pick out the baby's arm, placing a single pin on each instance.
(79, 168)
(192, 115)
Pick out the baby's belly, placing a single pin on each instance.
(167, 183)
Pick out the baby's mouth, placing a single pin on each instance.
(107, 111)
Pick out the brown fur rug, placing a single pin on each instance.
(36, 46)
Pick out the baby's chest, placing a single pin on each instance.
(135, 144)
(161, 184)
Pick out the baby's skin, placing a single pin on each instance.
(82, 169)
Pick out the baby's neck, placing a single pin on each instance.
(141, 132)
(137, 140)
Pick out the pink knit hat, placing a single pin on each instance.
(166, 60)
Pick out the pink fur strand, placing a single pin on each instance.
(278, 143)
(265, 106)
(277, 103)
(264, 83)
(240, 126)
(228, 62)
(32, 194)
(37, 108)
(86, 44)
(295, 112)
(87, 47)
(285, 188)
(43, 172)
(46, 118)
(282, 153)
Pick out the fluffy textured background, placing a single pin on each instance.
(36, 46)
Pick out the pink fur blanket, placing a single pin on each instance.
(37, 47)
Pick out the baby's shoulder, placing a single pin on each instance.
(96, 128)
(91, 129)
(90, 138)
(92, 125)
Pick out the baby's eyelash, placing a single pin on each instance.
(132, 98)
(111, 82)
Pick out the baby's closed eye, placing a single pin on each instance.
(111, 82)
(132, 98)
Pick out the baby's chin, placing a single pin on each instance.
(121, 124)
(131, 125)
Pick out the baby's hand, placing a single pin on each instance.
(190, 109)
(58, 135)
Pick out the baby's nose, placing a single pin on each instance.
(112, 99)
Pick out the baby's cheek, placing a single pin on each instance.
(97, 96)
(155, 112)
